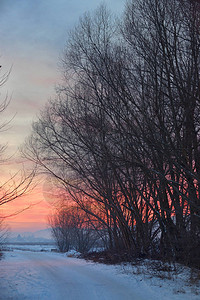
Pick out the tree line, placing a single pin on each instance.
(122, 135)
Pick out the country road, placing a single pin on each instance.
(29, 275)
(42, 275)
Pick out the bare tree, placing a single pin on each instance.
(3, 233)
(71, 230)
(123, 133)
(19, 183)
(164, 38)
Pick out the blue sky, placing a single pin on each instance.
(33, 34)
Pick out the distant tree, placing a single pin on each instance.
(71, 230)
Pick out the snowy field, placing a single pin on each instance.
(30, 247)
(26, 275)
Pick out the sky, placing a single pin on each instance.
(33, 34)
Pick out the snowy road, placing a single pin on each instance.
(26, 275)
(43, 275)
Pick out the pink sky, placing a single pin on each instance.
(33, 35)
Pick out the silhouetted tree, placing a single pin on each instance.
(123, 133)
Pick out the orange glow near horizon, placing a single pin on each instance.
(27, 213)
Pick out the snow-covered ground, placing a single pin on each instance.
(54, 276)
(30, 247)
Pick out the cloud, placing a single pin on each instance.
(33, 34)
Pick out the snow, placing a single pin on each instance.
(72, 253)
(26, 275)
(29, 247)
